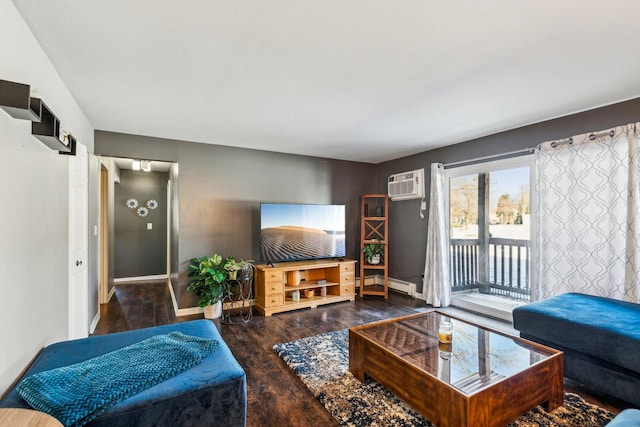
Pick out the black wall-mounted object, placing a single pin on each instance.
(48, 130)
(72, 147)
(16, 100)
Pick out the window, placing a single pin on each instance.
(489, 208)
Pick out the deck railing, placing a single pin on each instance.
(507, 272)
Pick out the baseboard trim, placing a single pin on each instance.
(94, 323)
(173, 297)
(394, 284)
(140, 278)
(189, 311)
(182, 311)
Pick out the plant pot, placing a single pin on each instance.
(374, 259)
(213, 311)
(233, 275)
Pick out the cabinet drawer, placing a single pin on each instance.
(274, 300)
(347, 289)
(273, 276)
(348, 267)
(347, 278)
(271, 288)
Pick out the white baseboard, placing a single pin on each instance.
(94, 323)
(176, 310)
(189, 311)
(140, 278)
(181, 311)
(395, 284)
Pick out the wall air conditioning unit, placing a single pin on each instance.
(406, 185)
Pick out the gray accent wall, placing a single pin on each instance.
(407, 232)
(138, 250)
(220, 189)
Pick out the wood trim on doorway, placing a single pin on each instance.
(104, 234)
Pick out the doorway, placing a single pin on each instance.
(489, 227)
(78, 300)
(135, 233)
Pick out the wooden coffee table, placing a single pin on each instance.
(483, 378)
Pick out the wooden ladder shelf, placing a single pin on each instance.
(374, 229)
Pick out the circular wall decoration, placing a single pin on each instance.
(132, 203)
(152, 204)
(143, 211)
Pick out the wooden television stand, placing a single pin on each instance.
(330, 280)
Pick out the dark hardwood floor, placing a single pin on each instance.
(276, 397)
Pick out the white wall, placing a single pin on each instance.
(33, 213)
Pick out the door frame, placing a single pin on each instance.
(480, 168)
(104, 235)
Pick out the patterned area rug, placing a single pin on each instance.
(322, 362)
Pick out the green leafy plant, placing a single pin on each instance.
(232, 266)
(372, 249)
(208, 276)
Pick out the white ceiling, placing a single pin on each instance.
(365, 80)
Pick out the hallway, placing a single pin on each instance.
(138, 305)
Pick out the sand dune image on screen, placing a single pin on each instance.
(290, 242)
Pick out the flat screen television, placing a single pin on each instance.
(290, 232)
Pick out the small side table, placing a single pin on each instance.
(19, 417)
(237, 296)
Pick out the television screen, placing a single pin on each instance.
(300, 232)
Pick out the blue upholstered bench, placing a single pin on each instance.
(211, 393)
(600, 338)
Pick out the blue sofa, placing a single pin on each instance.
(600, 338)
(626, 418)
(211, 393)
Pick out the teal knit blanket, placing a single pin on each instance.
(78, 393)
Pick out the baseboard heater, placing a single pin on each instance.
(396, 285)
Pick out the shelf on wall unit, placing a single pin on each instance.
(72, 147)
(374, 266)
(16, 100)
(48, 130)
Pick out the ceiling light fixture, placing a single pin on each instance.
(135, 165)
(145, 165)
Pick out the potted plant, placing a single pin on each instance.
(208, 277)
(373, 252)
(232, 266)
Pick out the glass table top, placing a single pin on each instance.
(475, 358)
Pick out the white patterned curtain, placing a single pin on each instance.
(436, 285)
(587, 231)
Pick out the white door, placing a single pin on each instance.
(78, 243)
